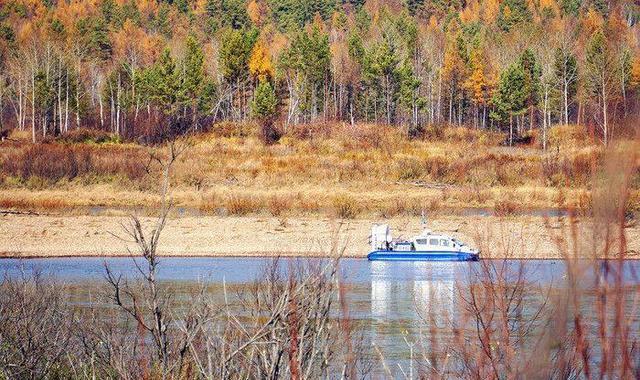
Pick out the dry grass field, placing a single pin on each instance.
(340, 171)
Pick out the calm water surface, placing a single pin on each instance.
(387, 299)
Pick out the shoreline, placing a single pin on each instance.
(280, 255)
(515, 237)
(190, 210)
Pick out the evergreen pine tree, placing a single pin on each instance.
(264, 109)
(164, 86)
(510, 98)
(513, 12)
(532, 73)
(193, 77)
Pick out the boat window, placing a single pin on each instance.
(433, 241)
(444, 242)
(421, 241)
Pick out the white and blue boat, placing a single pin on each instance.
(428, 246)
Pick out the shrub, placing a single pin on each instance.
(233, 129)
(367, 136)
(210, 202)
(311, 131)
(566, 136)
(278, 205)
(409, 168)
(33, 203)
(130, 163)
(241, 205)
(509, 175)
(582, 165)
(83, 135)
(433, 132)
(346, 207)
(437, 166)
(393, 208)
(53, 162)
(306, 204)
(505, 207)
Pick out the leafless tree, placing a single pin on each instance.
(35, 327)
(146, 302)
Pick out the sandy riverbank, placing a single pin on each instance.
(51, 235)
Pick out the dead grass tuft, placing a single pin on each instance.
(346, 207)
(33, 204)
(279, 205)
(505, 207)
(241, 205)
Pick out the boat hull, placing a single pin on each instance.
(421, 256)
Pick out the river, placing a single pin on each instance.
(386, 299)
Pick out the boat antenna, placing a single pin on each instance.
(424, 220)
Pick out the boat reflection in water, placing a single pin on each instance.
(411, 299)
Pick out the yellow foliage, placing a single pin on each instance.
(453, 68)
(260, 65)
(635, 71)
(201, 7)
(477, 83)
(433, 23)
(506, 11)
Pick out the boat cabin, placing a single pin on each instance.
(433, 242)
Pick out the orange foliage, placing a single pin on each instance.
(592, 21)
(147, 8)
(132, 43)
(549, 6)
(471, 12)
(25, 32)
(318, 22)
(258, 12)
(491, 9)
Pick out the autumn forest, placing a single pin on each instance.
(149, 69)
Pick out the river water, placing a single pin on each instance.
(387, 299)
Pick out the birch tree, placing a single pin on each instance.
(602, 80)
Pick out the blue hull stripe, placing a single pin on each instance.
(421, 256)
